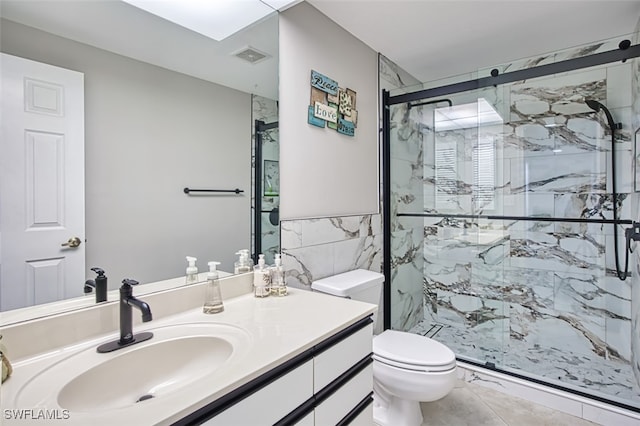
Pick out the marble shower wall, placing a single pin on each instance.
(406, 196)
(533, 296)
(317, 248)
(266, 110)
(635, 258)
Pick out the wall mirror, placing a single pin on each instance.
(164, 109)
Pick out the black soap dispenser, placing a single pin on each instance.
(101, 285)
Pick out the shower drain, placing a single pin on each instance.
(435, 328)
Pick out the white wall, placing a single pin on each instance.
(324, 173)
(151, 132)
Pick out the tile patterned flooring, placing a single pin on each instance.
(470, 404)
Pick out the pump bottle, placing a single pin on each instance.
(244, 263)
(192, 271)
(213, 297)
(261, 278)
(278, 286)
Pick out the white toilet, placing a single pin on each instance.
(407, 368)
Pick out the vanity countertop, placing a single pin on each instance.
(278, 329)
(86, 301)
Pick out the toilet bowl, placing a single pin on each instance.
(407, 368)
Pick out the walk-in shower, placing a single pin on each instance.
(503, 211)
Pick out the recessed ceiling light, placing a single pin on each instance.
(216, 19)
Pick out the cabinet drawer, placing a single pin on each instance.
(340, 357)
(337, 406)
(308, 420)
(365, 418)
(272, 402)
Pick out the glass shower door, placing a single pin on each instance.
(267, 191)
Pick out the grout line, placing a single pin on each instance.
(490, 407)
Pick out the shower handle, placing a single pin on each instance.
(632, 234)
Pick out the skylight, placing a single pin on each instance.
(216, 19)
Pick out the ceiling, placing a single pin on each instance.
(434, 39)
(430, 39)
(129, 31)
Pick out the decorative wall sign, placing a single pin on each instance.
(324, 83)
(318, 95)
(326, 112)
(332, 105)
(313, 120)
(346, 127)
(345, 103)
(333, 125)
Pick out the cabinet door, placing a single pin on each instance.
(271, 403)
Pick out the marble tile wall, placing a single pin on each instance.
(266, 110)
(317, 248)
(406, 196)
(533, 296)
(635, 279)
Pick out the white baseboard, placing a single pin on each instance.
(575, 405)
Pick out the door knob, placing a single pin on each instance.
(72, 243)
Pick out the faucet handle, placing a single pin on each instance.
(98, 271)
(130, 281)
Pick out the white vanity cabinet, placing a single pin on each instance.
(271, 403)
(328, 384)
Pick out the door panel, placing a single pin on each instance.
(41, 183)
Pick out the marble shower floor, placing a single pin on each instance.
(470, 404)
(609, 378)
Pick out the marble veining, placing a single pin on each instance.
(635, 257)
(316, 248)
(538, 298)
(553, 57)
(392, 76)
(410, 130)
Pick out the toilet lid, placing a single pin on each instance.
(412, 350)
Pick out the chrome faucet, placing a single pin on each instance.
(127, 338)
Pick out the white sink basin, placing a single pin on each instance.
(176, 356)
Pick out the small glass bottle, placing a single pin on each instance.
(278, 285)
(192, 271)
(213, 297)
(261, 278)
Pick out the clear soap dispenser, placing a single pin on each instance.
(261, 278)
(244, 263)
(213, 297)
(192, 271)
(278, 286)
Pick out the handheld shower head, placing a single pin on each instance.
(597, 106)
(593, 104)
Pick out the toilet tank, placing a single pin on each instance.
(360, 284)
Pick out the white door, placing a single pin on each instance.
(41, 183)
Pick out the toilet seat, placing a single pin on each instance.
(412, 352)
